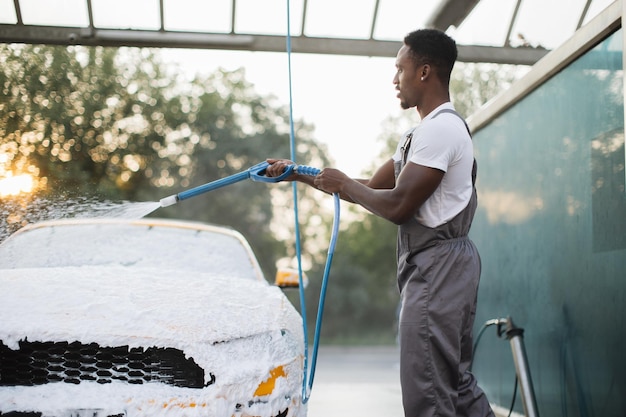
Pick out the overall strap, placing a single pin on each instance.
(456, 114)
(407, 142)
(475, 165)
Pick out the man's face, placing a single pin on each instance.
(406, 79)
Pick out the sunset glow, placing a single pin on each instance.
(14, 185)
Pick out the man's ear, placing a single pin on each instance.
(425, 72)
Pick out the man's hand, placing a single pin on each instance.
(331, 180)
(277, 167)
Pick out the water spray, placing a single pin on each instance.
(255, 173)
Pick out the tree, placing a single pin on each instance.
(80, 119)
(472, 85)
(119, 124)
(235, 129)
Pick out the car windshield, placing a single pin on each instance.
(133, 245)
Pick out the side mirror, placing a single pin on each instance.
(289, 278)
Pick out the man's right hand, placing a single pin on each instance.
(277, 167)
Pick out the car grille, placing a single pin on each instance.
(37, 363)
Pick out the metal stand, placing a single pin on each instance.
(515, 335)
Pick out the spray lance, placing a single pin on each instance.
(255, 173)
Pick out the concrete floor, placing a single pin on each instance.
(356, 381)
(361, 382)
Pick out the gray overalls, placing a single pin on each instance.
(438, 275)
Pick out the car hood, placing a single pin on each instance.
(138, 307)
(238, 330)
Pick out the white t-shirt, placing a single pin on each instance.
(444, 143)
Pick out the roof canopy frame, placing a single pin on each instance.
(447, 13)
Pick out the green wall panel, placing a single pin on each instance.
(551, 229)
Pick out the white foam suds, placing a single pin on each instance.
(114, 306)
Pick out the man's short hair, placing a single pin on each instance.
(434, 47)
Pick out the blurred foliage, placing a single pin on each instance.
(72, 117)
(118, 124)
(474, 84)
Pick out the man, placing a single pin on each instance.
(427, 188)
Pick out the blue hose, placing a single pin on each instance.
(307, 386)
(320, 308)
(256, 173)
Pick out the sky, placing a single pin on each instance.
(346, 98)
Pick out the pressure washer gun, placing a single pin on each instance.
(255, 173)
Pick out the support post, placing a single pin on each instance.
(515, 336)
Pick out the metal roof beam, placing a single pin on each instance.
(450, 13)
(18, 11)
(265, 43)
